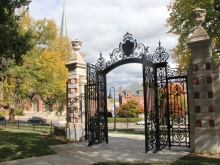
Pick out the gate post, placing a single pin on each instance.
(75, 87)
(203, 90)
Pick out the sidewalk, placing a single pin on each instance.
(121, 148)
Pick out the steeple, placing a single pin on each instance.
(63, 31)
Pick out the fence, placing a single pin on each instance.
(40, 127)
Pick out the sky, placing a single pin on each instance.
(101, 25)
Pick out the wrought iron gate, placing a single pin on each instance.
(166, 105)
(97, 116)
(165, 96)
(178, 109)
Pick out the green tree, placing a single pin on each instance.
(12, 43)
(181, 24)
(130, 109)
(43, 72)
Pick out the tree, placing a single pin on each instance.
(140, 109)
(130, 109)
(47, 76)
(12, 43)
(43, 72)
(181, 24)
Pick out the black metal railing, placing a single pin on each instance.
(40, 127)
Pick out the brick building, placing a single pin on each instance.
(133, 92)
(136, 92)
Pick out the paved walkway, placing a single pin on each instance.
(122, 148)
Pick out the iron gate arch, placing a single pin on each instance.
(165, 96)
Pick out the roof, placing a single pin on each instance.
(134, 88)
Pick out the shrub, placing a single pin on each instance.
(19, 112)
(124, 120)
(2, 113)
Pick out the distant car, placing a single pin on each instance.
(142, 122)
(2, 118)
(37, 120)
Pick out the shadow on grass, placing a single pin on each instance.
(197, 160)
(25, 144)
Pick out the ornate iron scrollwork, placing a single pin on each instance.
(128, 49)
(97, 128)
(160, 54)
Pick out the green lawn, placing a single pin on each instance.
(31, 126)
(18, 144)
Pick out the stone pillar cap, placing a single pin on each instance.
(198, 16)
(76, 44)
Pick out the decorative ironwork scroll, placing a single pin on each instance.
(128, 49)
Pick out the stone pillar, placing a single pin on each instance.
(203, 90)
(76, 81)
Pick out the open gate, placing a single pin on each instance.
(166, 105)
(95, 105)
(165, 96)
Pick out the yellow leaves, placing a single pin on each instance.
(181, 24)
(52, 69)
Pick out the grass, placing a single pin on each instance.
(19, 144)
(197, 160)
(30, 126)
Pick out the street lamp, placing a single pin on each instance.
(110, 97)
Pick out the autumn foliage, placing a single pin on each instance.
(130, 109)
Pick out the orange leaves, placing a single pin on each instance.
(140, 108)
(130, 108)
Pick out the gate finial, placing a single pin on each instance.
(76, 44)
(159, 43)
(198, 16)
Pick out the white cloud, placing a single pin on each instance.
(101, 24)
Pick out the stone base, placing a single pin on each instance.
(206, 144)
(75, 132)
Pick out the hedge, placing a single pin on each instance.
(124, 120)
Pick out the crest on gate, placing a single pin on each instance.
(128, 46)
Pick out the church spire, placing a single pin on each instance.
(63, 31)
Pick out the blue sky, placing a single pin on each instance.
(101, 25)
